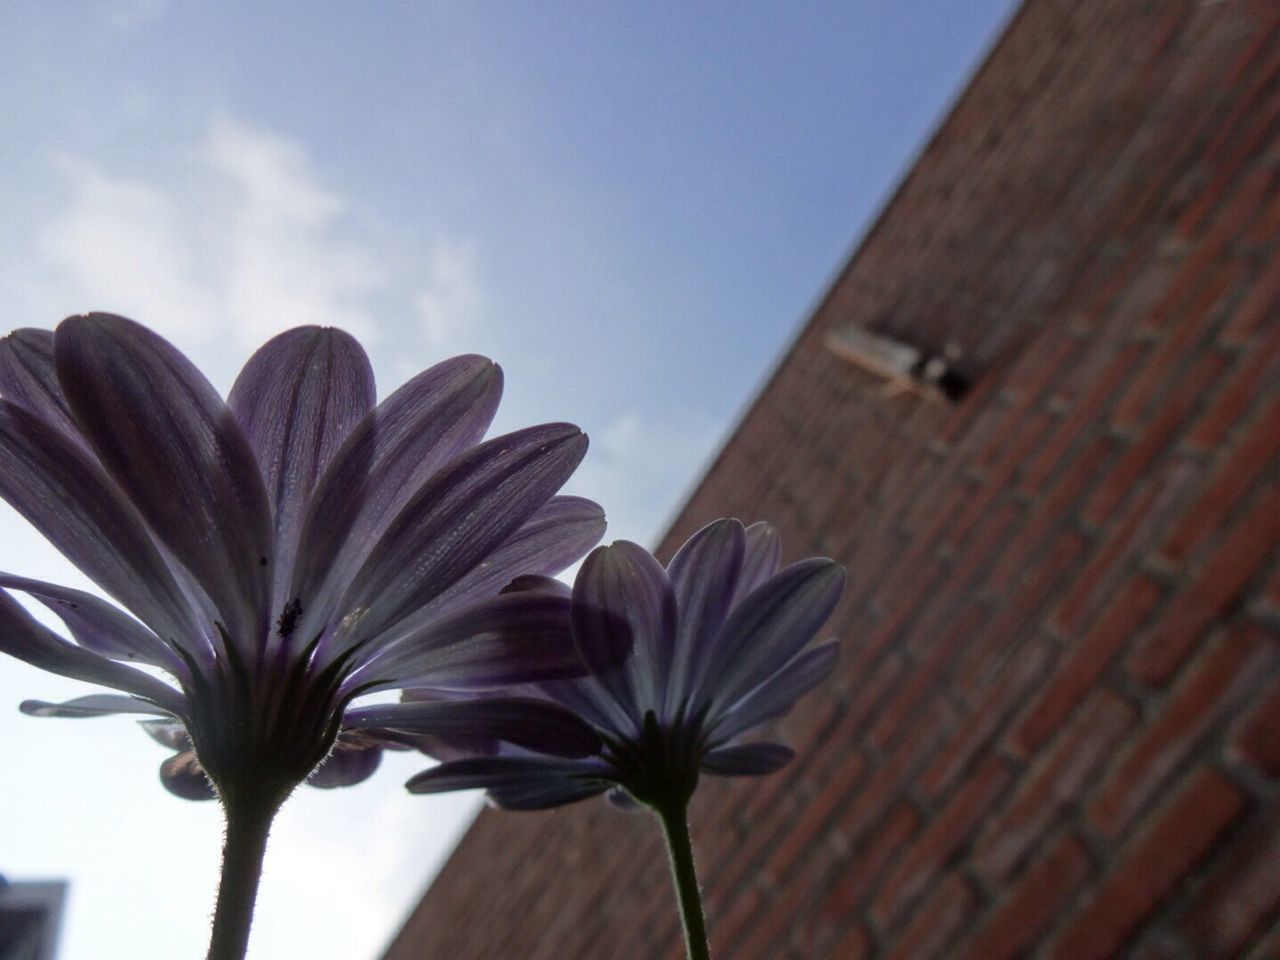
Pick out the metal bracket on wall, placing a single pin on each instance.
(903, 367)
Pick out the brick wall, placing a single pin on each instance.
(1056, 728)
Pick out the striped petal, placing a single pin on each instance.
(624, 619)
(296, 400)
(537, 725)
(760, 558)
(777, 695)
(21, 636)
(98, 626)
(65, 495)
(386, 460)
(94, 705)
(164, 434)
(747, 760)
(513, 638)
(769, 627)
(704, 574)
(456, 520)
(524, 783)
(28, 379)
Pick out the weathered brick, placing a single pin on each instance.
(935, 922)
(1257, 741)
(1084, 664)
(1257, 450)
(1241, 893)
(940, 840)
(1215, 688)
(864, 865)
(1211, 593)
(1059, 776)
(1181, 833)
(1033, 903)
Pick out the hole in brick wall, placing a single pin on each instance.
(903, 367)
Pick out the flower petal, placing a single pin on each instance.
(183, 776)
(456, 520)
(386, 459)
(98, 626)
(776, 696)
(516, 778)
(624, 622)
(297, 399)
(544, 794)
(28, 379)
(760, 559)
(704, 574)
(509, 639)
(65, 495)
(769, 627)
(559, 534)
(538, 725)
(23, 637)
(346, 766)
(93, 705)
(168, 733)
(163, 432)
(747, 760)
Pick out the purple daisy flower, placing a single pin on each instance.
(284, 552)
(683, 662)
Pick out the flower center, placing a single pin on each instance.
(660, 768)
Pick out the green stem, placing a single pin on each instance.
(243, 847)
(675, 824)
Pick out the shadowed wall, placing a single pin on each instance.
(1053, 732)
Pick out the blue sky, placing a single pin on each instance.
(630, 207)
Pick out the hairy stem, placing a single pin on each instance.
(242, 850)
(675, 824)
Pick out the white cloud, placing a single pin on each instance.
(637, 465)
(244, 240)
(450, 308)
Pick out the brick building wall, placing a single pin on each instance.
(1055, 731)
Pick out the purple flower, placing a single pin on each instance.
(683, 662)
(279, 554)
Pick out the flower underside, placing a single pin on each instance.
(281, 553)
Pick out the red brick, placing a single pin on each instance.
(1152, 384)
(1239, 556)
(1150, 867)
(1011, 685)
(1137, 460)
(815, 816)
(886, 783)
(1084, 664)
(939, 841)
(1213, 689)
(1016, 614)
(1256, 368)
(1242, 891)
(1058, 777)
(1257, 741)
(1032, 905)
(1083, 414)
(1126, 538)
(855, 945)
(935, 922)
(864, 865)
(1262, 302)
(1257, 450)
(894, 715)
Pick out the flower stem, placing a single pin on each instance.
(242, 850)
(675, 824)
